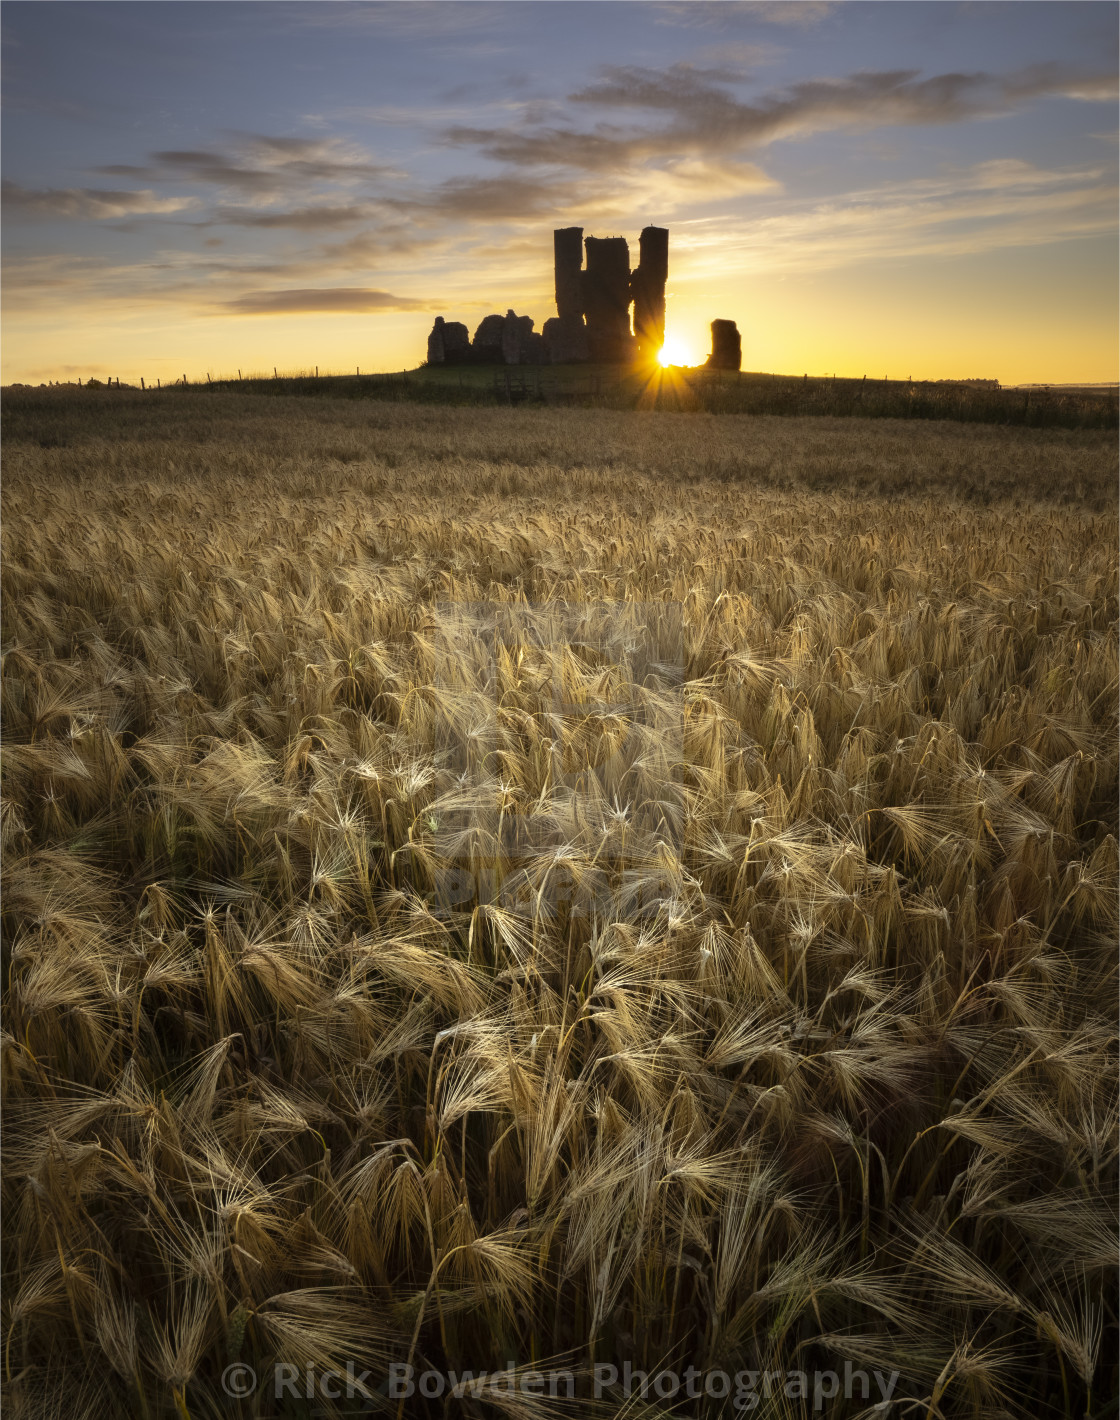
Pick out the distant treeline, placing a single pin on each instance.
(693, 390)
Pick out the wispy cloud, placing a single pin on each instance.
(986, 207)
(307, 219)
(722, 14)
(738, 55)
(257, 164)
(86, 202)
(798, 14)
(260, 168)
(704, 117)
(338, 299)
(425, 20)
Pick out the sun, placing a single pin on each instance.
(674, 352)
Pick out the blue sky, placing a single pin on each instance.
(889, 188)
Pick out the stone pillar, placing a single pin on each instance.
(606, 299)
(648, 288)
(567, 244)
(565, 336)
(436, 354)
(727, 346)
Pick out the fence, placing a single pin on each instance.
(686, 391)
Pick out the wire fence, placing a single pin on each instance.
(683, 390)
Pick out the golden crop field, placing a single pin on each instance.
(556, 889)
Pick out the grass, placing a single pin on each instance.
(499, 885)
(697, 391)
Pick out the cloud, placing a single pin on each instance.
(692, 177)
(311, 158)
(192, 165)
(963, 211)
(276, 181)
(424, 20)
(867, 99)
(799, 14)
(721, 14)
(510, 198)
(259, 166)
(738, 55)
(1053, 78)
(336, 299)
(87, 202)
(308, 219)
(704, 118)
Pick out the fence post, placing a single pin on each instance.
(275, 376)
(141, 381)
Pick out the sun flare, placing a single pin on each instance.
(675, 352)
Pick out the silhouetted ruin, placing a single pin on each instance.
(448, 342)
(592, 320)
(567, 248)
(606, 300)
(486, 348)
(727, 346)
(647, 285)
(565, 335)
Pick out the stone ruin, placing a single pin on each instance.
(727, 346)
(592, 320)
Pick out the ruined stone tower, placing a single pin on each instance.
(593, 301)
(647, 285)
(727, 346)
(567, 245)
(566, 335)
(606, 299)
(592, 320)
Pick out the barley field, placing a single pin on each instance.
(550, 889)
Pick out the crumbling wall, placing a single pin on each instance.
(727, 346)
(565, 340)
(606, 299)
(647, 286)
(449, 343)
(456, 341)
(499, 340)
(486, 347)
(519, 345)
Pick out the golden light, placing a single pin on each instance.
(675, 352)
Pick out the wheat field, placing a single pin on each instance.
(545, 888)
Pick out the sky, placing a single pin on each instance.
(923, 190)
